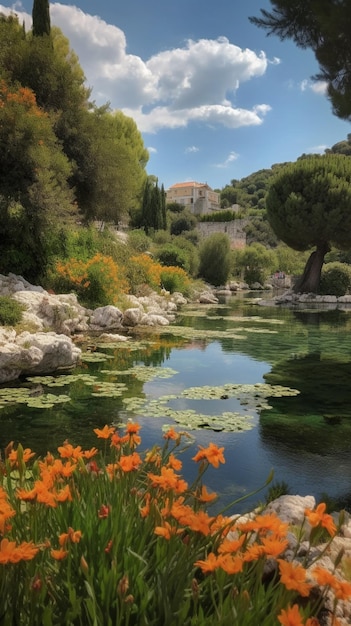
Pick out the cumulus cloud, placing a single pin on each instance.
(193, 83)
(191, 149)
(152, 150)
(232, 156)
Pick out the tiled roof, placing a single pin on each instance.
(188, 184)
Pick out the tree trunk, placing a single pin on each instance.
(309, 281)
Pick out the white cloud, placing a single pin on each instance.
(152, 150)
(191, 149)
(317, 149)
(232, 156)
(319, 87)
(194, 83)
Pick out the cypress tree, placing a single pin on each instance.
(41, 18)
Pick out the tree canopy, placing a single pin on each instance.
(309, 205)
(324, 26)
(59, 152)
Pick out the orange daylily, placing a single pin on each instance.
(291, 616)
(72, 536)
(319, 517)
(232, 564)
(130, 462)
(10, 552)
(105, 432)
(228, 546)
(59, 555)
(168, 480)
(172, 434)
(293, 576)
(167, 531)
(204, 496)
(210, 564)
(26, 455)
(212, 454)
(174, 463)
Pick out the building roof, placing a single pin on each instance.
(189, 184)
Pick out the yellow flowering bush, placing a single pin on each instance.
(98, 281)
(91, 537)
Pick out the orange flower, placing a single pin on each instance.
(204, 496)
(231, 545)
(14, 456)
(105, 432)
(318, 517)
(290, 617)
(168, 480)
(167, 531)
(64, 495)
(174, 463)
(67, 451)
(171, 434)
(212, 454)
(294, 577)
(72, 536)
(210, 564)
(264, 524)
(232, 564)
(88, 454)
(273, 547)
(130, 462)
(200, 522)
(59, 555)
(12, 553)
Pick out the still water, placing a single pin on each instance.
(272, 385)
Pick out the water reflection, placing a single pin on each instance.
(305, 438)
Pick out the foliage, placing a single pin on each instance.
(341, 147)
(335, 279)
(41, 18)
(33, 181)
(138, 240)
(175, 279)
(290, 261)
(308, 204)
(97, 282)
(325, 28)
(220, 216)
(142, 269)
(153, 211)
(171, 254)
(255, 262)
(215, 259)
(183, 222)
(259, 230)
(174, 207)
(116, 536)
(10, 311)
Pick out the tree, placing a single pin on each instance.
(309, 204)
(34, 193)
(325, 27)
(215, 259)
(41, 18)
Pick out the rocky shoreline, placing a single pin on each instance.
(54, 322)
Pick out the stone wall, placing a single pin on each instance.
(234, 230)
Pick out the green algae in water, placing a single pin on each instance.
(144, 373)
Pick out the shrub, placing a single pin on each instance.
(138, 240)
(215, 259)
(142, 269)
(97, 282)
(119, 537)
(175, 279)
(335, 279)
(10, 311)
(171, 254)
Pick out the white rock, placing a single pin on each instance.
(132, 317)
(106, 317)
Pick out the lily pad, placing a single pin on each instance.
(143, 372)
(95, 357)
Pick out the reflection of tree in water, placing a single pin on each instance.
(319, 418)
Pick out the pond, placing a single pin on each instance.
(271, 385)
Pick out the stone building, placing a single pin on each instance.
(198, 198)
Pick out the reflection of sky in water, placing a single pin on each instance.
(284, 445)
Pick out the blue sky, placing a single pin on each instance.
(214, 98)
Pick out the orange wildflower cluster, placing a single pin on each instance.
(149, 270)
(173, 510)
(23, 96)
(79, 274)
